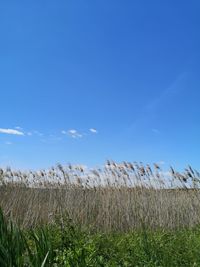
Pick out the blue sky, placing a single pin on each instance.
(85, 81)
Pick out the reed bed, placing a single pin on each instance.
(115, 197)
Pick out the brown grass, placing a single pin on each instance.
(116, 197)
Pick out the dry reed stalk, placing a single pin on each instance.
(117, 197)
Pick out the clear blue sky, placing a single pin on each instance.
(129, 69)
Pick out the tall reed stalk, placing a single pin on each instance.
(116, 197)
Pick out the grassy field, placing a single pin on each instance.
(123, 214)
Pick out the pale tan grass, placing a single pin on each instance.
(118, 197)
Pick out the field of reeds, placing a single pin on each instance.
(116, 197)
(126, 214)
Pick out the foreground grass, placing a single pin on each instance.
(63, 244)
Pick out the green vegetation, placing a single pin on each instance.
(68, 245)
(122, 215)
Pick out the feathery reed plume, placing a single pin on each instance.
(118, 196)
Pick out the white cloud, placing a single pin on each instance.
(76, 134)
(37, 133)
(11, 131)
(18, 128)
(73, 133)
(92, 130)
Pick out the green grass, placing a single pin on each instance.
(63, 244)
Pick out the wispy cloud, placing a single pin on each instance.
(170, 92)
(73, 133)
(76, 134)
(93, 130)
(11, 131)
(146, 112)
(19, 128)
(37, 133)
(8, 143)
